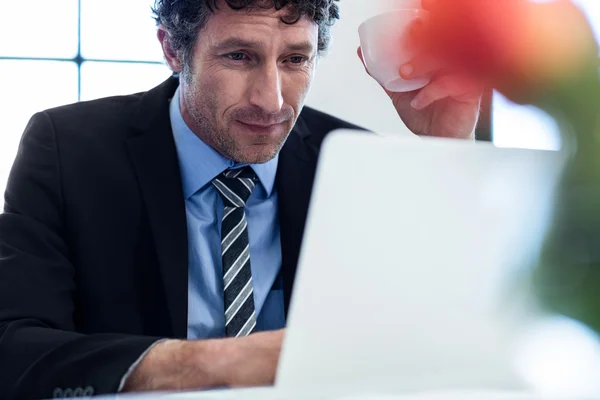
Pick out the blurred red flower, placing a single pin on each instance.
(516, 46)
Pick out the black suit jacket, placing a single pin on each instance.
(93, 241)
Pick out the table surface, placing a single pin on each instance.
(272, 393)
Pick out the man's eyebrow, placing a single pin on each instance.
(238, 43)
(300, 46)
(234, 43)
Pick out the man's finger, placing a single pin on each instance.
(360, 55)
(420, 66)
(444, 87)
(413, 36)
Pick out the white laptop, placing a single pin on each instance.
(411, 271)
(412, 266)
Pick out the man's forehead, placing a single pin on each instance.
(261, 30)
(259, 7)
(247, 21)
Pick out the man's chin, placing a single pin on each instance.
(257, 153)
(259, 149)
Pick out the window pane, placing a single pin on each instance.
(119, 30)
(591, 8)
(101, 79)
(29, 87)
(523, 126)
(39, 28)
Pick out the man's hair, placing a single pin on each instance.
(183, 19)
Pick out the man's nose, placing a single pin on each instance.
(266, 89)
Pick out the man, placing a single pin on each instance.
(132, 223)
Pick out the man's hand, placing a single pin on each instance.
(447, 107)
(203, 364)
(252, 361)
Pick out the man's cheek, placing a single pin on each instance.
(295, 90)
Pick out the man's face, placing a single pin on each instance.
(247, 82)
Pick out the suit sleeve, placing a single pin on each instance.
(41, 355)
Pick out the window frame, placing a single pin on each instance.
(79, 59)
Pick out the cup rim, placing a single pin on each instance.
(391, 12)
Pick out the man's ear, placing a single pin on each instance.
(172, 56)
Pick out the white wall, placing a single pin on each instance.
(342, 87)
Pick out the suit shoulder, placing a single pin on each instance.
(108, 114)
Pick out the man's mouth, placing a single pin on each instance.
(260, 127)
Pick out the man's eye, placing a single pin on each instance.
(236, 56)
(298, 59)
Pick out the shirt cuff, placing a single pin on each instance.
(135, 364)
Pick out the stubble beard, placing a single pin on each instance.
(218, 137)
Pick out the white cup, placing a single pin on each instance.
(384, 52)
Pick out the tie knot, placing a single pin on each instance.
(235, 186)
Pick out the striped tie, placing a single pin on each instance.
(235, 186)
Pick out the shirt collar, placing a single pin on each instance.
(200, 163)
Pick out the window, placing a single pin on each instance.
(528, 127)
(70, 50)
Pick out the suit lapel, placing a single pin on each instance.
(155, 161)
(295, 175)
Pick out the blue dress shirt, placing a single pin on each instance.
(199, 164)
